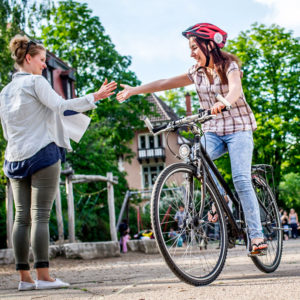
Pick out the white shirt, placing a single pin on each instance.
(31, 115)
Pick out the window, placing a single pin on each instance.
(147, 141)
(150, 147)
(150, 174)
(142, 141)
(49, 75)
(69, 89)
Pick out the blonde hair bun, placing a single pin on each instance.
(18, 46)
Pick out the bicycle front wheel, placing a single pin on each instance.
(271, 226)
(193, 247)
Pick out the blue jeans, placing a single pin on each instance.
(239, 145)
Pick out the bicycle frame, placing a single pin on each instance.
(202, 200)
(201, 154)
(208, 164)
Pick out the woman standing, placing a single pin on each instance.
(285, 225)
(31, 114)
(293, 221)
(218, 72)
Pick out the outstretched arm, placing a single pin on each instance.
(155, 86)
(47, 96)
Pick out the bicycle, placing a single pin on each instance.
(190, 184)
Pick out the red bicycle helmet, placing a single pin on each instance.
(207, 31)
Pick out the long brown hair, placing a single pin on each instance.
(221, 59)
(18, 47)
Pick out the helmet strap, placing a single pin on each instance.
(207, 55)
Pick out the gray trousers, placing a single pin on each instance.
(33, 197)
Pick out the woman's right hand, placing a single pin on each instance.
(126, 93)
(105, 90)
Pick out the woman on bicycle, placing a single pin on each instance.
(218, 72)
(31, 116)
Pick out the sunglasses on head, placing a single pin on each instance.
(28, 46)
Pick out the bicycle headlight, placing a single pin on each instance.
(184, 151)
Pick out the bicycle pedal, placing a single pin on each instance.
(257, 253)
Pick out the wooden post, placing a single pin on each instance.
(9, 214)
(111, 207)
(124, 206)
(59, 218)
(71, 214)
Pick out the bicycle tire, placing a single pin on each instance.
(201, 240)
(271, 225)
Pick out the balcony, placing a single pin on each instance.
(155, 153)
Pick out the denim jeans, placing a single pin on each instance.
(239, 145)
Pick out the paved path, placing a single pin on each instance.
(143, 277)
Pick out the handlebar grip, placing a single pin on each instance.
(158, 128)
(225, 108)
(224, 101)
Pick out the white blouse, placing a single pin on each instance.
(31, 115)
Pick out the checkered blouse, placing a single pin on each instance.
(239, 118)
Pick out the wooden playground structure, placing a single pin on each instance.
(70, 179)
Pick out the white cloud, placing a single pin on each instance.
(284, 13)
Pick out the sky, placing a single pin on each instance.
(150, 30)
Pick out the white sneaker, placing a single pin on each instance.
(26, 286)
(45, 285)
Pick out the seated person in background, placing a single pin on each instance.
(124, 235)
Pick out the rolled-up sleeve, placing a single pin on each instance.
(190, 73)
(232, 67)
(46, 95)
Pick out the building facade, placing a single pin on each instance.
(60, 76)
(152, 153)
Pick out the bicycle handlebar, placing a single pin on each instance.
(201, 117)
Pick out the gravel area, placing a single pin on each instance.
(137, 276)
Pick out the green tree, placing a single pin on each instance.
(289, 191)
(78, 38)
(271, 64)
(16, 16)
(69, 30)
(176, 100)
(12, 21)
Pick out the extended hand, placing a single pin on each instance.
(217, 108)
(125, 94)
(105, 90)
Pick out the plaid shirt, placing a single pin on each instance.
(239, 118)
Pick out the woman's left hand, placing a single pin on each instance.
(217, 108)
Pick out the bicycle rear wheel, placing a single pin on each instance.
(270, 221)
(195, 250)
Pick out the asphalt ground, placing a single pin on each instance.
(137, 276)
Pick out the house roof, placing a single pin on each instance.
(165, 113)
